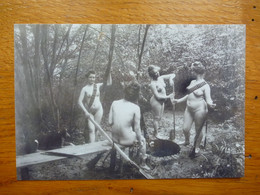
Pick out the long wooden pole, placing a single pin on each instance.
(172, 133)
(148, 176)
(206, 132)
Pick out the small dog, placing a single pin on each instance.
(53, 140)
(31, 146)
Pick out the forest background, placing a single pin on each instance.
(51, 62)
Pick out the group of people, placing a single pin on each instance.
(197, 100)
(125, 114)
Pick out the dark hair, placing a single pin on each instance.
(90, 72)
(198, 67)
(132, 91)
(152, 73)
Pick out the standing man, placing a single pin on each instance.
(124, 117)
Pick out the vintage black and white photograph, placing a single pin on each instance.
(129, 101)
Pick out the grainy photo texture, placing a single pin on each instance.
(98, 101)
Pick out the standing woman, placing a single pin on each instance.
(159, 94)
(89, 101)
(198, 100)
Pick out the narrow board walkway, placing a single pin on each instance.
(62, 153)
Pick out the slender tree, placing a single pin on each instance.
(37, 67)
(44, 50)
(110, 54)
(97, 47)
(142, 49)
(76, 76)
(26, 63)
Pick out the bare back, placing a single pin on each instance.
(124, 117)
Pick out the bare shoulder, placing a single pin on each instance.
(161, 78)
(193, 81)
(191, 84)
(84, 88)
(152, 85)
(135, 107)
(99, 84)
(119, 103)
(115, 102)
(206, 86)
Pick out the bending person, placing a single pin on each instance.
(89, 101)
(124, 117)
(159, 94)
(198, 100)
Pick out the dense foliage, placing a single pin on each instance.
(51, 62)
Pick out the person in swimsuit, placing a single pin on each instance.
(198, 100)
(89, 101)
(159, 94)
(124, 117)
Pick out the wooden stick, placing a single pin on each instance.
(172, 133)
(148, 176)
(206, 132)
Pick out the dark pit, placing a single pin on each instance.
(162, 148)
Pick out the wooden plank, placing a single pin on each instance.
(53, 155)
(85, 149)
(35, 158)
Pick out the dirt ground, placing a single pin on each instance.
(222, 157)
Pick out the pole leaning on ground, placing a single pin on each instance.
(172, 133)
(148, 176)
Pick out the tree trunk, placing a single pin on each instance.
(65, 54)
(29, 114)
(75, 79)
(109, 64)
(37, 64)
(25, 63)
(97, 48)
(139, 41)
(44, 30)
(54, 50)
(110, 54)
(64, 39)
(142, 49)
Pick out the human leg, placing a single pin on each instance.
(98, 117)
(86, 131)
(142, 151)
(91, 129)
(187, 123)
(143, 147)
(199, 118)
(143, 125)
(157, 110)
(156, 120)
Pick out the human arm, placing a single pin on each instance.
(80, 102)
(171, 80)
(158, 95)
(176, 101)
(137, 128)
(169, 77)
(109, 79)
(108, 82)
(208, 97)
(110, 116)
